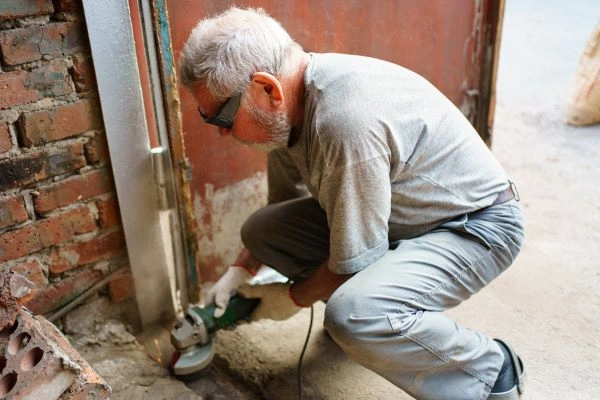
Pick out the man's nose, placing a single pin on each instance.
(224, 131)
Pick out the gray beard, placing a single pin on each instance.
(278, 126)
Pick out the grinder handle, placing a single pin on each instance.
(238, 308)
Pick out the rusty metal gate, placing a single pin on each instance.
(452, 43)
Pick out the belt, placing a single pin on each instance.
(507, 195)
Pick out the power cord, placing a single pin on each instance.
(302, 354)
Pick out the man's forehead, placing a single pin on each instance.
(203, 96)
(200, 90)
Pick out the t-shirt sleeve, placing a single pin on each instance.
(357, 199)
(284, 180)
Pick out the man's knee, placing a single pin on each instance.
(253, 230)
(358, 312)
(352, 318)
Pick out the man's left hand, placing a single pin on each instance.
(275, 301)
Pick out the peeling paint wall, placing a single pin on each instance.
(220, 215)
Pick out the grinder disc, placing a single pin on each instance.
(192, 360)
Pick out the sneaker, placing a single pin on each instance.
(511, 379)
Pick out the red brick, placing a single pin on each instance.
(32, 269)
(121, 287)
(49, 41)
(32, 43)
(20, 87)
(10, 303)
(14, 89)
(96, 149)
(67, 6)
(46, 366)
(36, 166)
(25, 8)
(12, 211)
(51, 80)
(72, 190)
(44, 126)
(72, 255)
(83, 73)
(5, 142)
(76, 39)
(61, 292)
(45, 233)
(108, 212)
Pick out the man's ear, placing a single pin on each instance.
(266, 90)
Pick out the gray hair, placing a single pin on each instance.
(223, 51)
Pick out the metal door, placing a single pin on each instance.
(452, 43)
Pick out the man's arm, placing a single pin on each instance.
(246, 260)
(319, 286)
(280, 301)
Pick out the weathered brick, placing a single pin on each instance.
(5, 142)
(72, 190)
(45, 233)
(67, 6)
(51, 80)
(76, 39)
(61, 292)
(72, 255)
(20, 87)
(96, 149)
(32, 269)
(15, 290)
(108, 212)
(25, 8)
(32, 43)
(44, 365)
(12, 211)
(40, 127)
(49, 41)
(33, 167)
(121, 287)
(83, 72)
(14, 89)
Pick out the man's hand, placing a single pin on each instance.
(226, 287)
(275, 301)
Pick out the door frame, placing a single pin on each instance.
(135, 119)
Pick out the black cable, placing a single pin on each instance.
(302, 354)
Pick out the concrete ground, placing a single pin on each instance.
(546, 305)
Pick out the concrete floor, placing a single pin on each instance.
(547, 304)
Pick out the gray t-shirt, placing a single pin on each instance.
(386, 155)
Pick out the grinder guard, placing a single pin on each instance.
(192, 335)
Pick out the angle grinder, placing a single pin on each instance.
(192, 335)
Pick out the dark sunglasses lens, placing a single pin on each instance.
(226, 115)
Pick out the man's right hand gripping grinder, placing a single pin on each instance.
(192, 335)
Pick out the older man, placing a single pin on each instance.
(383, 200)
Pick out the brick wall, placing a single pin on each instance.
(59, 221)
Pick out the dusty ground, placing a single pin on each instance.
(546, 305)
(135, 367)
(98, 333)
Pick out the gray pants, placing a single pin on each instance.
(388, 317)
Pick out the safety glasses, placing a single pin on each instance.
(224, 118)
